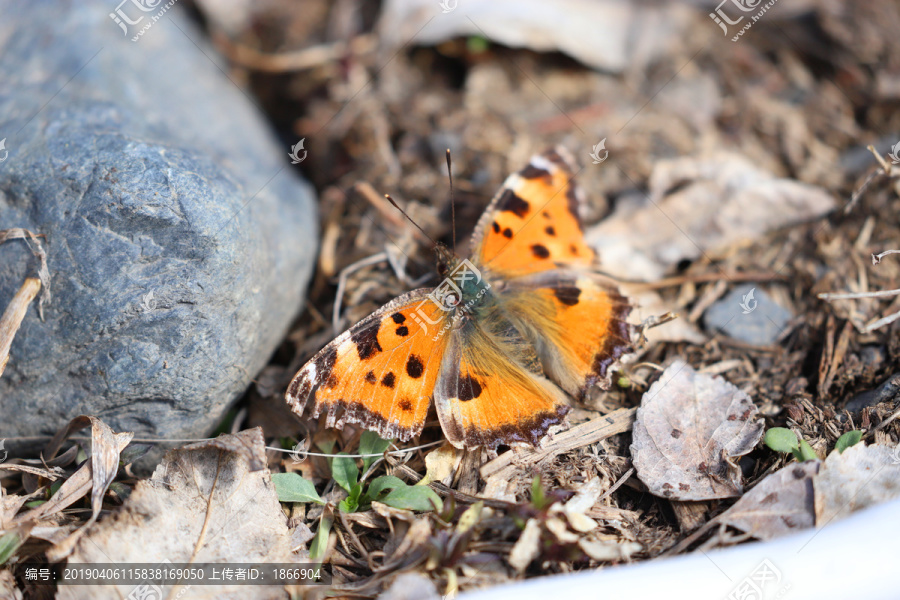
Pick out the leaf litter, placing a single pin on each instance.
(726, 133)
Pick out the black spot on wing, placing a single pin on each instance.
(402, 331)
(469, 388)
(366, 340)
(405, 405)
(568, 295)
(370, 377)
(507, 233)
(398, 318)
(414, 366)
(549, 230)
(388, 380)
(533, 172)
(540, 251)
(495, 226)
(511, 203)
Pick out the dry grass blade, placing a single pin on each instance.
(38, 250)
(13, 315)
(618, 421)
(95, 475)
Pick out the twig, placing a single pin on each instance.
(13, 315)
(876, 258)
(618, 421)
(298, 60)
(854, 295)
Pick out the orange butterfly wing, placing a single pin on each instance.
(380, 373)
(488, 392)
(577, 320)
(533, 222)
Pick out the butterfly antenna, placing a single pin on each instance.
(408, 218)
(452, 200)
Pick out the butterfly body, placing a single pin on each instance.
(498, 343)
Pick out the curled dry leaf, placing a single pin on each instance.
(781, 503)
(95, 475)
(204, 503)
(688, 430)
(441, 464)
(856, 478)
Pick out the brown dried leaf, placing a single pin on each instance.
(856, 478)
(688, 429)
(527, 547)
(780, 504)
(94, 475)
(203, 504)
(700, 204)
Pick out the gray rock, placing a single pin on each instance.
(755, 319)
(885, 392)
(179, 238)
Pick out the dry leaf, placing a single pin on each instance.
(698, 205)
(94, 475)
(203, 504)
(854, 479)
(441, 464)
(781, 503)
(609, 551)
(688, 429)
(527, 547)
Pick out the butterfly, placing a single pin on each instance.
(499, 343)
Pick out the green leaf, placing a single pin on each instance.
(384, 483)
(781, 439)
(537, 493)
(9, 543)
(370, 443)
(345, 471)
(291, 487)
(319, 543)
(477, 44)
(805, 452)
(851, 438)
(413, 497)
(351, 503)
